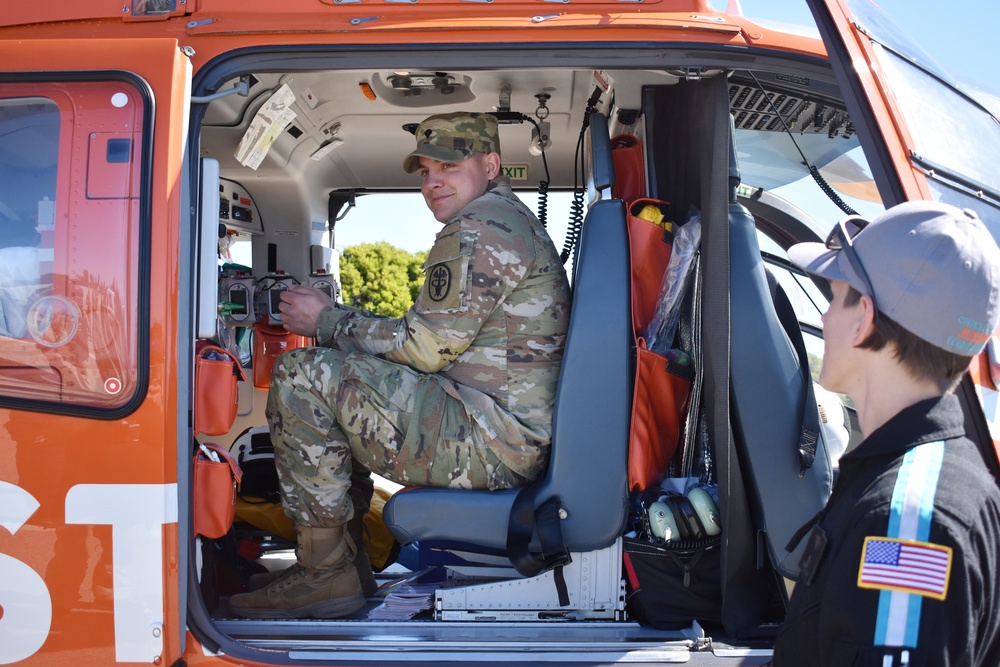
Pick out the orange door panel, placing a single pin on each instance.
(90, 157)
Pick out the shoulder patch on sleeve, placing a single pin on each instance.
(443, 290)
(908, 566)
(446, 274)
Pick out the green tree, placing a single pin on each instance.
(415, 273)
(381, 277)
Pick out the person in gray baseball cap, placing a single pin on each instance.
(901, 568)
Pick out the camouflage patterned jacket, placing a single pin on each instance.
(492, 317)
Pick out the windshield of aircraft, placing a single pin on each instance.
(773, 161)
(796, 141)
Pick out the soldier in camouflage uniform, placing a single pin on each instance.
(457, 393)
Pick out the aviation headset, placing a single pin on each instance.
(255, 454)
(690, 517)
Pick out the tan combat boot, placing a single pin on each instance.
(322, 584)
(361, 497)
(356, 529)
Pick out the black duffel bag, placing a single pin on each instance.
(671, 585)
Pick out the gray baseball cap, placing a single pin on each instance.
(454, 137)
(934, 269)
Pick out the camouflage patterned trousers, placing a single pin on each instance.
(335, 416)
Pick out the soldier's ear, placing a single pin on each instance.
(492, 165)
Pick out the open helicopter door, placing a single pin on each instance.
(93, 148)
(928, 137)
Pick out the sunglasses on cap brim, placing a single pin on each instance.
(841, 239)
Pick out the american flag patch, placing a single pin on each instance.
(904, 565)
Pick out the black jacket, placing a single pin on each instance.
(913, 490)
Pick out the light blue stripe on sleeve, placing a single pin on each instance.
(911, 512)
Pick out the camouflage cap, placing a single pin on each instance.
(454, 137)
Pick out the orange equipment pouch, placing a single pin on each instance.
(214, 490)
(216, 393)
(649, 253)
(662, 387)
(658, 408)
(630, 170)
(269, 341)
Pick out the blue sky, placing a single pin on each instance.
(960, 37)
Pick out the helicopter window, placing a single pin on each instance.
(69, 243)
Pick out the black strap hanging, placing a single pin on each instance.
(524, 519)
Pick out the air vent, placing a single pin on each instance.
(753, 110)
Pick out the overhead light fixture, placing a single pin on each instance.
(540, 139)
(416, 83)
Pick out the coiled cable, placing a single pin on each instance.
(543, 185)
(575, 227)
(813, 170)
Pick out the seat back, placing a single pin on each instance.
(589, 451)
(589, 458)
(768, 393)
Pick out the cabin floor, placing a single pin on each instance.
(369, 637)
(365, 637)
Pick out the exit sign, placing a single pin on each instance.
(515, 172)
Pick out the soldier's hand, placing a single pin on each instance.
(300, 308)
